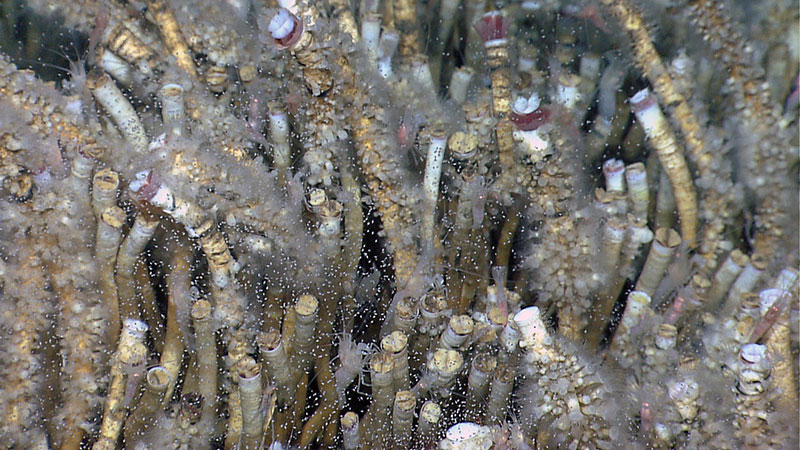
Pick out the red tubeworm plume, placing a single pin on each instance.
(532, 120)
(285, 28)
(492, 26)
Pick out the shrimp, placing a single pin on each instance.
(352, 358)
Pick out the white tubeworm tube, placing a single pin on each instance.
(614, 173)
(611, 247)
(109, 96)
(459, 83)
(661, 251)
(139, 235)
(389, 41)
(131, 352)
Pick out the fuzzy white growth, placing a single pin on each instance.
(467, 436)
(109, 96)
(459, 83)
(614, 173)
(281, 25)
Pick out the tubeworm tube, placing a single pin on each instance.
(109, 96)
(637, 307)
(645, 107)
(279, 134)
(139, 235)
(725, 276)
(459, 83)
(405, 316)
(146, 412)
(402, 417)
(173, 110)
(131, 352)
(105, 184)
(306, 310)
(500, 393)
(206, 359)
(458, 331)
(114, 65)
(638, 190)
(380, 369)
(745, 282)
(371, 35)
(428, 425)
(482, 367)
(611, 247)
(109, 235)
(351, 436)
(430, 187)
(396, 344)
(250, 393)
(661, 251)
(274, 354)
